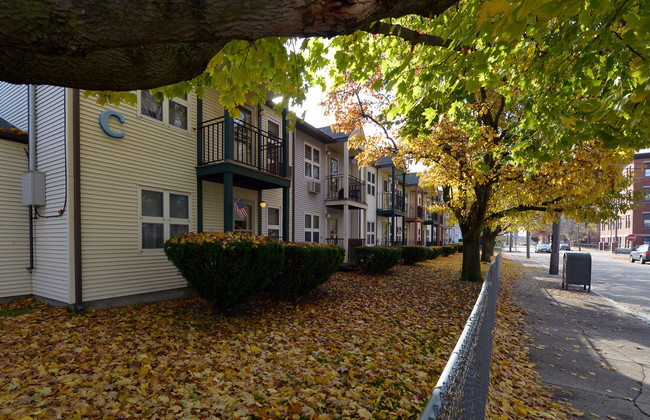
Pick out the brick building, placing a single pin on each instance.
(637, 220)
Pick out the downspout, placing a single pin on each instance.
(31, 165)
(76, 192)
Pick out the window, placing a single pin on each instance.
(163, 214)
(372, 180)
(174, 112)
(646, 220)
(243, 224)
(646, 194)
(273, 222)
(312, 162)
(312, 227)
(628, 221)
(370, 235)
(646, 168)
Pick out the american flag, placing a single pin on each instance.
(240, 209)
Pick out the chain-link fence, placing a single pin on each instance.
(462, 390)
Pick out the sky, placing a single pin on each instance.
(314, 112)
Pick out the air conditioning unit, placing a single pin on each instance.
(313, 187)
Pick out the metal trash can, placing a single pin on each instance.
(576, 269)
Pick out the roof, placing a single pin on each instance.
(338, 136)
(412, 179)
(314, 132)
(642, 155)
(10, 132)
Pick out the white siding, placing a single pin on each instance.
(307, 202)
(150, 155)
(13, 104)
(14, 222)
(51, 276)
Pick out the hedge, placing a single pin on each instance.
(413, 253)
(377, 259)
(228, 268)
(306, 266)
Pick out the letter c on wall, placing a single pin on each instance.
(103, 123)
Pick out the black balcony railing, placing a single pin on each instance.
(385, 201)
(250, 145)
(334, 241)
(415, 212)
(356, 189)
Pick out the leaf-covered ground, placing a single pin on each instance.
(362, 347)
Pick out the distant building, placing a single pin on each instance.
(636, 221)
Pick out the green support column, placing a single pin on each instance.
(259, 212)
(285, 213)
(228, 223)
(199, 160)
(228, 135)
(285, 145)
(199, 132)
(199, 204)
(392, 195)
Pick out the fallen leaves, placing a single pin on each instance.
(362, 347)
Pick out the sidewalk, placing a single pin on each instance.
(590, 353)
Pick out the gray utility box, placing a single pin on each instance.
(33, 188)
(576, 269)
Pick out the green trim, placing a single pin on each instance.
(224, 168)
(286, 192)
(228, 200)
(259, 212)
(199, 131)
(228, 135)
(199, 204)
(285, 143)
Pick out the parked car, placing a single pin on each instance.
(641, 253)
(565, 247)
(541, 247)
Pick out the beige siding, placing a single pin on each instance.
(14, 222)
(13, 104)
(51, 276)
(150, 155)
(307, 202)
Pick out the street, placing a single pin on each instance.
(613, 277)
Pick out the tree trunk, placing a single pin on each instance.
(555, 249)
(489, 241)
(471, 258)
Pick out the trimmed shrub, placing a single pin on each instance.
(306, 266)
(228, 268)
(447, 250)
(413, 253)
(436, 251)
(377, 259)
(459, 247)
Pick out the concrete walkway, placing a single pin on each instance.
(591, 353)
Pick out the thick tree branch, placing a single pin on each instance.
(413, 37)
(124, 45)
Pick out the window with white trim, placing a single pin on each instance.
(273, 222)
(312, 162)
(646, 220)
(312, 227)
(243, 224)
(646, 169)
(370, 235)
(372, 180)
(173, 112)
(163, 214)
(646, 194)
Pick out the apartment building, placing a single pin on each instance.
(636, 222)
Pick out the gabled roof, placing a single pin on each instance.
(10, 132)
(338, 136)
(314, 132)
(642, 155)
(412, 179)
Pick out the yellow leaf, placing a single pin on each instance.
(364, 414)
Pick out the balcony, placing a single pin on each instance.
(242, 143)
(415, 212)
(356, 189)
(385, 202)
